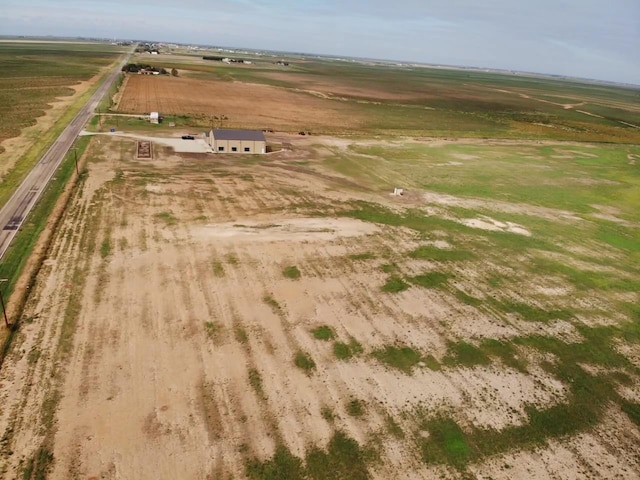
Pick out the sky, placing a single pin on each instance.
(598, 39)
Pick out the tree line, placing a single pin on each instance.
(141, 67)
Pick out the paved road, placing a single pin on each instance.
(25, 197)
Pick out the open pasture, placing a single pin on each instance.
(284, 317)
(385, 99)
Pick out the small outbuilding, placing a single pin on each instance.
(237, 141)
(154, 117)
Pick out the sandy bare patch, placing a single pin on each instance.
(465, 156)
(552, 291)
(495, 205)
(609, 451)
(631, 351)
(487, 223)
(610, 214)
(487, 397)
(589, 113)
(286, 230)
(198, 145)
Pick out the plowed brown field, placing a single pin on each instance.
(246, 105)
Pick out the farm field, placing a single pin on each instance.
(351, 98)
(38, 83)
(253, 105)
(285, 317)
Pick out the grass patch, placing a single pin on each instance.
(402, 358)
(468, 299)
(632, 410)
(587, 398)
(38, 466)
(506, 352)
(49, 407)
(342, 460)
(584, 279)
(167, 217)
(327, 414)
(345, 351)
(419, 221)
(393, 427)
(356, 408)
(388, 268)
(273, 303)
(232, 259)
(105, 247)
(213, 329)
(34, 356)
(362, 256)
(395, 284)
(323, 332)
(282, 466)
(430, 279)
(304, 362)
(530, 313)
(429, 252)
(291, 272)
(218, 269)
(446, 444)
(241, 335)
(431, 363)
(466, 355)
(255, 380)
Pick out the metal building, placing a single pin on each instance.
(237, 141)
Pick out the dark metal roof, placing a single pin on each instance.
(228, 134)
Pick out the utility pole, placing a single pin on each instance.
(75, 156)
(4, 310)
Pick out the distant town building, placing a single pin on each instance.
(237, 141)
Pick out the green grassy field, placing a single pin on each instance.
(580, 205)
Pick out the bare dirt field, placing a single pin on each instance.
(222, 317)
(245, 104)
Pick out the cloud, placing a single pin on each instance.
(589, 38)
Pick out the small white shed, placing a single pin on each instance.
(154, 117)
